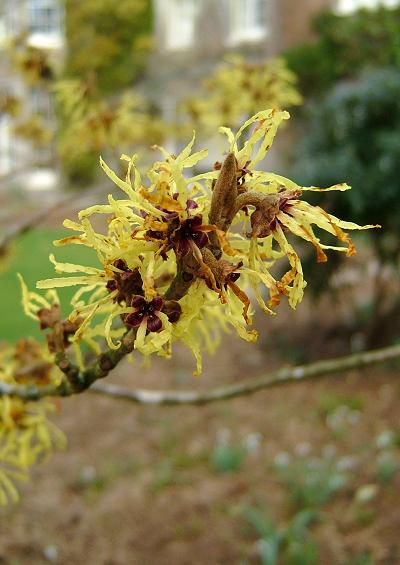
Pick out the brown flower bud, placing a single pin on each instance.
(223, 203)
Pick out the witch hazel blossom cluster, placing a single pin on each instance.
(27, 435)
(181, 255)
(179, 258)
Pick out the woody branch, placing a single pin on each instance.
(281, 377)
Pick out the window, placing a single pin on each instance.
(348, 6)
(6, 162)
(9, 16)
(180, 16)
(45, 16)
(247, 21)
(3, 32)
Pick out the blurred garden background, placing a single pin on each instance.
(302, 474)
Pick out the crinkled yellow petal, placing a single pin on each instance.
(65, 281)
(295, 275)
(342, 187)
(71, 268)
(268, 123)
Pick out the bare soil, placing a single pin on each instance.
(137, 486)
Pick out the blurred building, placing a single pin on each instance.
(41, 23)
(192, 36)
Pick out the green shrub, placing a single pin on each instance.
(354, 135)
(344, 46)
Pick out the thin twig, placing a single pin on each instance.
(187, 397)
(35, 220)
(27, 225)
(280, 377)
(74, 380)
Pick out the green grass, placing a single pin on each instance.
(29, 256)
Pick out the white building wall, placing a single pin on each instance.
(43, 20)
(348, 6)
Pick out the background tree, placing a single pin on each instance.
(354, 133)
(344, 46)
(239, 88)
(107, 48)
(107, 38)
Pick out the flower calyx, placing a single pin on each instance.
(267, 207)
(263, 218)
(148, 312)
(191, 232)
(219, 275)
(62, 330)
(127, 282)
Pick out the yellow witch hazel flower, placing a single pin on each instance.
(180, 253)
(26, 433)
(238, 88)
(278, 209)
(91, 124)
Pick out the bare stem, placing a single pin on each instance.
(77, 381)
(183, 278)
(280, 377)
(188, 397)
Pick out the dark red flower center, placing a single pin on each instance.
(150, 312)
(190, 231)
(127, 281)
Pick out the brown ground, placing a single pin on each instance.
(136, 485)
